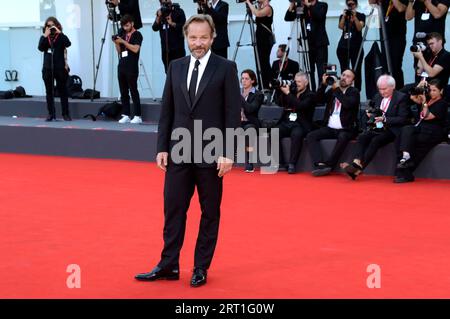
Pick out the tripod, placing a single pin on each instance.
(249, 19)
(113, 16)
(303, 44)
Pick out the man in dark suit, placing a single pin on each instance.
(388, 113)
(130, 7)
(218, 10)
(201, 93)
(289, 69)
(341, 112)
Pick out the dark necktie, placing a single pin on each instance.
(193, 84)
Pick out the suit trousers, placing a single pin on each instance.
(60, 76)
(179, 186)
(368, 143)
(296, 133)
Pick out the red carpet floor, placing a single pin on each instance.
(281, 236)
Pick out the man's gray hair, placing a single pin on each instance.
(302, 74)
(390, 81)
(200, 18)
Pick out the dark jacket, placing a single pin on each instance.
(131, 7)
(289, 70)
(349, 105)
(252, 106)
(175, 37)
(304, 105)
(60, 43)
(220, 18)
(217, 103)
(397, 113)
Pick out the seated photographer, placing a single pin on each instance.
(53, 43)
(387, 113)
(417, 140)
(252, 99)
(351, 23)
(341, 112)
(289, 69)
(435, 62)
(170, 19)
(130, 7)
(297, 119)
(128, 45)
(218, 10)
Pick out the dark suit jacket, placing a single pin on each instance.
(217, 103)
(304, 106)
(349, 108)
(288, 72)
(316, 15)
(131, 7)
(252, 106)
(220, 18)
(175, 36)
(397, 113)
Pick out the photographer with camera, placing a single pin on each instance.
(130, 7)
(54, 44)
(128, 44)
(218, 10)
(417, 140)
(252, 100)
(264, 36)
(314, 14)
(289, 69)
(351, 23)
(170, 19)
(341, 112)
(387, 113)
(297, 119)
(429, 16)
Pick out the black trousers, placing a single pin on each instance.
(127, 85)
(345, 59)
(297, 133)
(180, 183)
(343, 137)
(318, 56)
(368, 143)
(173, 55)
(249, 142)
(60, 76)
(223, 52)
(397, 45)
(264, 50)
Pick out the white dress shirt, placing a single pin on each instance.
(335, 118)
(201, 69)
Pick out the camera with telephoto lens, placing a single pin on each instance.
(419, 46)
(52, 30)
(331, 73)
(348, 13)
(373, 112)
(278, 83)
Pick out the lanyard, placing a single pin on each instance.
(385, 106)
(54, 40)
(389, 9)
(128, 37)
(432, 60)
(337, 106)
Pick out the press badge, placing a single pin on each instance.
(124, 54)
(379, 125)
(425, 16)
(308, 27)
(293, 117)
(49, 51)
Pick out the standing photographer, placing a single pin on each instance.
(128, 45)
(170, 19)
(297, 119)
(429, 16)
(314, 14)
(130, 7)
(341, 112)
(54, 44)
(351, 23)
(417, 140)
(218, 10)
(264, 36)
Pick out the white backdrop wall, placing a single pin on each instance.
(20, 32)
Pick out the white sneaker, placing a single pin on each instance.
(136, 120)
(124, 119)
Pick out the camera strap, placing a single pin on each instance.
(430, 63)
(384, 106)
(52, 42)
(128, 37)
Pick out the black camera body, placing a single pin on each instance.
(278, 83)
(348, 13)
(52, 31)
(331, 73)
(110, 5)
(374, 112)
(115, 37)
(418, 46)
(167, 9)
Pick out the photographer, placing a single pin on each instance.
(128, 45)
(341, 112)
(387, 114)
(299, 105)
(54, 44)
(417, 140)
(130, 7)
(252, 99)
(170, 19)
(289, 69)
(314, 15)
(351, 23)
(429, 16)
(218, 10)
(264, 36)
(435, 62)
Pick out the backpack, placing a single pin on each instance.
(74, 86)
(109, 111)
(4, 95)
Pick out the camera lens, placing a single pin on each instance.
(414, 48)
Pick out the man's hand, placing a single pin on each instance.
(161, 160)
(224, 165)
(169, 20)
(418, 55)
(379, 119)
(114, 2)
(119, 40)
(285, 89)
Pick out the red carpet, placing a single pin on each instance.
(281, 236)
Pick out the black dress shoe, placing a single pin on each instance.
(405, 164)
(400, 180)
(158, 274)
(67, 117)
(198, 277)
(50, 118)
(291, 169)
(321, 170)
